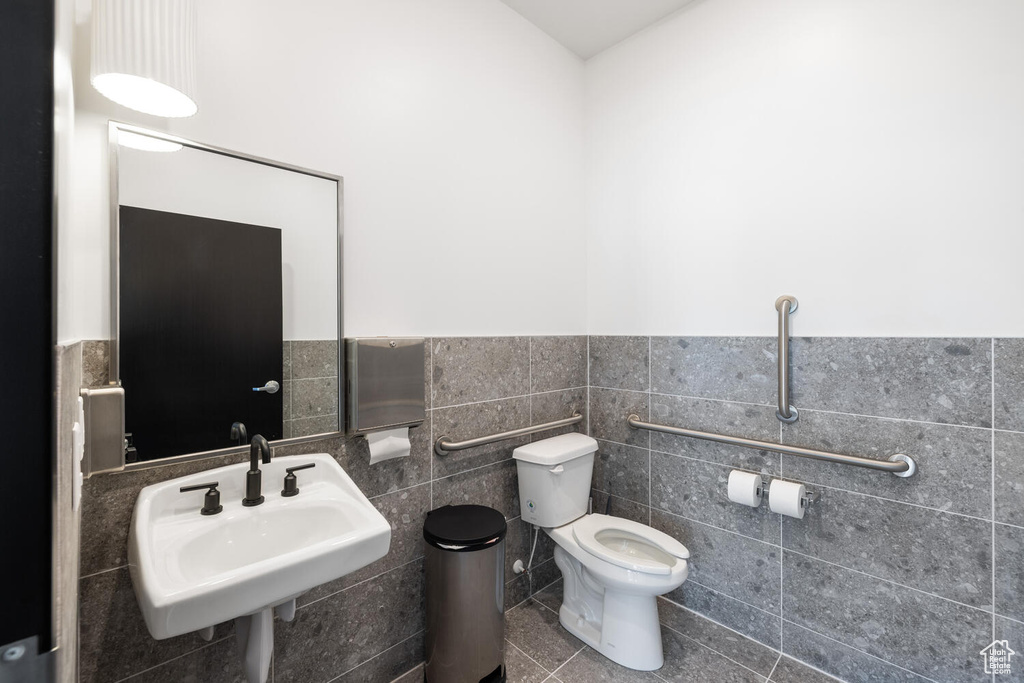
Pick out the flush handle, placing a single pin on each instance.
(557, 469)
(271, 387)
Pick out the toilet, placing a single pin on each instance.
(613, 569)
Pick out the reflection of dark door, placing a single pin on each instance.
(201, 326)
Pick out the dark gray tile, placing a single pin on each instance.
(107, 504)
(389, 665)
(740, 617)
(518, 541)
(590, 666)
(1009, 384)
(557, 405)
(686, 661)
(405, 511)
(839, 660)
(389, 475)
(1010, 571)
(314, 358)
(792, 671)
(311, 426)
(428, 365)
(1009, 495)
(517, 591)
(933, 551)
(215, 663)
(1012, 631)
(620, 363)
(699, 490)
(609, 409)
(933, 380)
(494, 485)
(742, 650)
(535, 630)
(286, 402)
(954, 463)
(313, 397)
(623, 471)
(925, 634)
(620, 507)
(479, 419)
(558, 363)
(114, 641)
(521, 669)
(733, 419)
(726, 562)
(286, 361)
(325, 640)
(724, 368)
(471, 369)
(550, 596)
(95, 363)
(544, 574)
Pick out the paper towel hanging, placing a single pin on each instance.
(385, 396)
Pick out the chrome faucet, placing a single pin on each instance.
(258, 449)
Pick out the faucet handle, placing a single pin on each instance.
(291, 482)
(211, 501)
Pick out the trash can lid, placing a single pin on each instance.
(464, 528)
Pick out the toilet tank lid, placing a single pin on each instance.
(557, 449)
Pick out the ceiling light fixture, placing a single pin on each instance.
(143, 54)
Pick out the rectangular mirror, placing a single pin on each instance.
(226, 296)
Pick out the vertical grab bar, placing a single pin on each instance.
(785, 305)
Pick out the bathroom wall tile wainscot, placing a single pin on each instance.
(480, 395)
(885, 578)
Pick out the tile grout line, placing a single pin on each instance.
(711, 649)
(782, 572)
(359, 583)
(650, 459)
(430, 384)
(559, 668)
(863, 652)
(503, 398)
(172, 659)
(523, 653)
(391, 647)
(774, 666)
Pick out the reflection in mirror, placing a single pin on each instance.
(226, 296)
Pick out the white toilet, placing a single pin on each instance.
(613, 568)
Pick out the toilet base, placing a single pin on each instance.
(622, 627)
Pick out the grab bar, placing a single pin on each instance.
(442, 447)
(901, 465)
(786, 412)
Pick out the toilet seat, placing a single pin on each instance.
(628, 544)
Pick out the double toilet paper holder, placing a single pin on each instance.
(784, 497)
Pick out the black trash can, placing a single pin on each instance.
(465, 574)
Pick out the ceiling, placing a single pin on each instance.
(589, 26)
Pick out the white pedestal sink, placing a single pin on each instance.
(192, 571)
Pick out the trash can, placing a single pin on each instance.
(465, 575)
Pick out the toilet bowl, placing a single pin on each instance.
(613, 568)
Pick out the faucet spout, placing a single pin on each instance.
(239, 433)
(259, 449)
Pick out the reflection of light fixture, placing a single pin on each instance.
(143, 54)
(126, 138)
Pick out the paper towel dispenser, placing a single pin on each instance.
(385, 383)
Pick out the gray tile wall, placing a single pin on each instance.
(366, 626)
(885, 578)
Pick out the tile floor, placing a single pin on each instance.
(539, 650)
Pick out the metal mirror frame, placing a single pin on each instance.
(113, 128)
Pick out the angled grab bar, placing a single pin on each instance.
(443, 447)
(785, 305)
(901, 465)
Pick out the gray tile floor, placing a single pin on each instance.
(539, 650)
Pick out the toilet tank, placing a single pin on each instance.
(554, 478)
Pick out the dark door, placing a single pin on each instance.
(201, 327)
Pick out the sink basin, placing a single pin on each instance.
(192, 571)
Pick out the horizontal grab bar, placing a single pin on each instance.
(442, 447)
(901, 465)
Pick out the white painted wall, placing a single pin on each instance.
(457, 125)
(867, 157)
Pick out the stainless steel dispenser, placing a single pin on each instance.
(385, 383)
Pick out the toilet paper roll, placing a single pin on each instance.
(785, 498)
(744, 488)
(388, 444)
